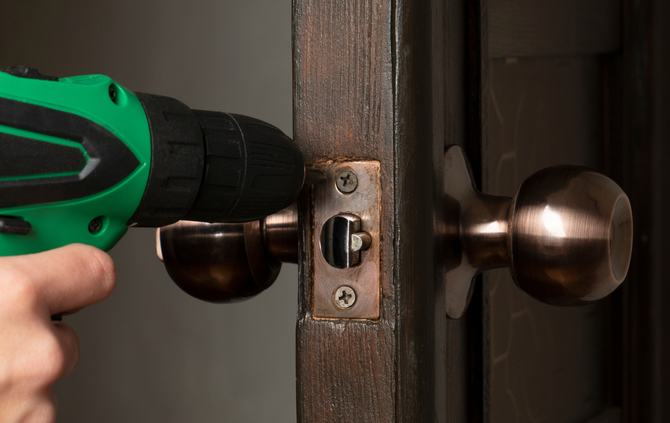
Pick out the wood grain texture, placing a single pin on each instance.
(343, 108)
(549, 27)
(363, 78)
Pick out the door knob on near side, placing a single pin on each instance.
(566, 235)
(224, 262)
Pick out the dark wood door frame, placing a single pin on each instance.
(364, 89)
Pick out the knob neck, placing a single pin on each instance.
(280, 234)
(484, 231)
(224, 262)
(566, 235)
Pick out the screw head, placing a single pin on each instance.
(345, 297)
(347, 182)
(112, 93)
(95, 225)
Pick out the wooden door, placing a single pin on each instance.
(520, 85)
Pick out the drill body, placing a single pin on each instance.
(84, 158)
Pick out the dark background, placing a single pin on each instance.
(150, 353)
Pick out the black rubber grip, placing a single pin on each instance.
(177, 160)
(215, 167)
(22, 156)
(252, 169)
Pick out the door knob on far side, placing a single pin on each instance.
(566, 235)
(225, 262)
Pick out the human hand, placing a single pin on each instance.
(35, 352)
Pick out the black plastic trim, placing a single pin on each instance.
(177, 161)
(12, 225)
(110, 160)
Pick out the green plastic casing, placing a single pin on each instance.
(66, 222)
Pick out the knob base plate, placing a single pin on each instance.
(460, 194)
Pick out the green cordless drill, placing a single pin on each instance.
(83, 158)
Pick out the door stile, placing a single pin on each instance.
(363, 89)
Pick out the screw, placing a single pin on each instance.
(347, 182)
(345, 296)
(95, 226)
(112, 93)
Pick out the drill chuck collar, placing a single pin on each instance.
(214, 167)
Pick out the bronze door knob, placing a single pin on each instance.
(566, 235)
(224, 262)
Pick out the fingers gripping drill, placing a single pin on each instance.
(84, 158)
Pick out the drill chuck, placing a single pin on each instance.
(214, 167)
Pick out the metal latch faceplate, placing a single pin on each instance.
(352, 292)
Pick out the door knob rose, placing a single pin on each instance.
(566, 235)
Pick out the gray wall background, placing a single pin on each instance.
(150, 353)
